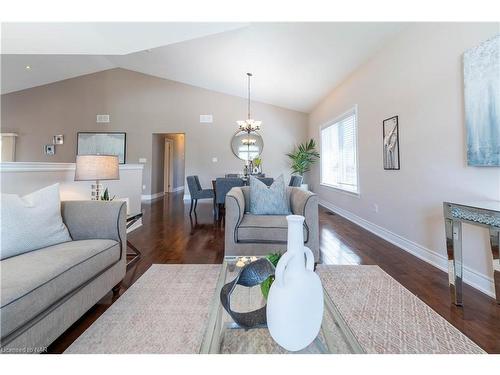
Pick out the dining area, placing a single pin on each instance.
(222, 185)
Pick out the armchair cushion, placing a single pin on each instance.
(265, 228)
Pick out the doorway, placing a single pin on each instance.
(168, 163)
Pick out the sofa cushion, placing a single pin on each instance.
(32, 282)
(264, 228)
(31, 222)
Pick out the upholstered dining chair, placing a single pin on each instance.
(197, 192)
(232, 175)
(296, 181)
(222, 187)
(267, 180)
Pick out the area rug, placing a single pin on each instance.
(166, 311)
(386, 317)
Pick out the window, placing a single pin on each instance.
(339, 160)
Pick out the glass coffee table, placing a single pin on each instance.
(226, 337)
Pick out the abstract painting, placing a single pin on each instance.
(90, 143)
(482, 103)
(390, 133)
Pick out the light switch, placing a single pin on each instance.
(214, 160)
(208, 119)
(143, 160)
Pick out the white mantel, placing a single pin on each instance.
(24, 177)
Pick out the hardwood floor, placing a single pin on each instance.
(169, 236)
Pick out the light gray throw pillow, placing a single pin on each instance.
(270, 200)
(31, 222)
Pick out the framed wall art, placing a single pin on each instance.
(482, 103)
(390, 134)
(110, 143)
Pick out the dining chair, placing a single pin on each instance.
(222, 187)
(232, 175)
(267, 180)
(296, 181)
(197, 192)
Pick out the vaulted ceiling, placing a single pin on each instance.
(294, 64)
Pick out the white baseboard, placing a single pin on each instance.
(476, 280)
(148, 197)
(175, 190)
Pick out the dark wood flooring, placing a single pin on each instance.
(168, 235)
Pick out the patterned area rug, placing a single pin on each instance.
(166, 310)
(386, 317)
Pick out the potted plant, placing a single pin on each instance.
(303, 157)
(257, 162)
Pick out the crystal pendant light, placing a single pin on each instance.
(249, 125)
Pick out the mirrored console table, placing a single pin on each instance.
(485, 214)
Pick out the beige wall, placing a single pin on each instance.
(142, 105)
(418, 77)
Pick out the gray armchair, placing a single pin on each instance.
(248, 235)
(196, 192)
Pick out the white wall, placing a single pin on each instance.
(417, 76)
(24, 178)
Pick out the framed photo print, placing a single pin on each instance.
(111, 143)
(390, 133)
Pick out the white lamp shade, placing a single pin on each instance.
(96, 167)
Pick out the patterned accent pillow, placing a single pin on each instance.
(270, 200)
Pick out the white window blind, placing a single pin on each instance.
(339, 164)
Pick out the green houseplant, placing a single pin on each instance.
(303, 157)
(266, 284)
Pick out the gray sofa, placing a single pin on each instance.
(247, 234)
(43, 292)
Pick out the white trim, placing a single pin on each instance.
(179, 188)
(149, 197)
(352, 111)
(49, 167)
(338, 189)
(187, 197)
(473, 278)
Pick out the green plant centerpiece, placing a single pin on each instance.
(105, 196)
(257, 162)
(266, 285)
(303, 157)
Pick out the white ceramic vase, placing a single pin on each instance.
(295, 300)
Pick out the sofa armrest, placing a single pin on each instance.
(235, 209)
(96, 220)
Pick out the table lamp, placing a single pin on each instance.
(96, 168)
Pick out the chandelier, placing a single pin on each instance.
(249, 125)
